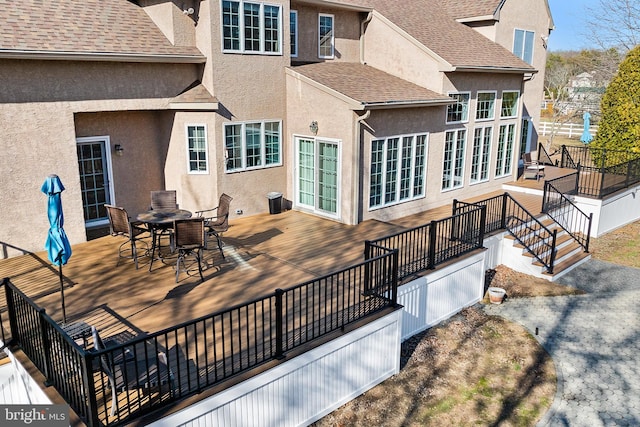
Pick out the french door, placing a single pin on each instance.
(318, 175)
(94, 165)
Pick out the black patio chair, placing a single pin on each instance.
(218, 224)
(121, 225)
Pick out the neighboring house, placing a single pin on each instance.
(524, 28)
(585, 92)
(354, 110)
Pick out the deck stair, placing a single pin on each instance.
(569, 253)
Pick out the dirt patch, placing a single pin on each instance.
(621, 246)
(473, 369)
(523, 285)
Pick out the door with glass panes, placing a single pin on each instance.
(318, 177)
(94, 165)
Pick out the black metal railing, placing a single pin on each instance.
(602, 171)
(564, 212)
(543, 156)
(427, 246)
(156, 369)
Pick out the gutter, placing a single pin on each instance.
(484, 69)
(406, 104)
(101, 56)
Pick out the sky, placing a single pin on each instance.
(569, 17)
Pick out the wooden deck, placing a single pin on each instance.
(263, 253)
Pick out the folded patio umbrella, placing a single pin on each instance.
(586, 135)
(57, 244)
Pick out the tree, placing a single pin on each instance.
(614, 24)
(619, 127)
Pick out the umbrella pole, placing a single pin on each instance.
(64, 311)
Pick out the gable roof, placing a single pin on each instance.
(463, 10)
(367, 87)
(87, 29)
(458, 45)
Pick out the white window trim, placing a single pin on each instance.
(295, 13)
(517, 104)
(413, 175)
(333, 36)
(495, 101)
(514, 148)
(242, 50)
(464, 155)
(481, 180)
(446, 110)
(243, 145)
(206, 148)
(309, 208)
(524, 43)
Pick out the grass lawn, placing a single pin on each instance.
(476, 369)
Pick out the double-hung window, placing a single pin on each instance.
(293, 32)
(480, 155)
(398, 166)
(459, 112)
(325, 36)
(453, 164)
(523, 45)
(197, 161)
(251, 27)
(252, 145)
(509, 107)
(506, 141)
(485, 105)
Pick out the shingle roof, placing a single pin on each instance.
(460, 9)
(107, 27)
(368, 85)
(433, 27)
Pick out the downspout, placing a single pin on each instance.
(358, 166)
(357, 161)
(362, 25)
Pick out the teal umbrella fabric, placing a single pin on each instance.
(57, 244)
(586, 135)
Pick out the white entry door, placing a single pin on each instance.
(94, 165)
(318, 175)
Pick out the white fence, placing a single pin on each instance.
(572, 130)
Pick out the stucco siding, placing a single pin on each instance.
(390, 51)
(346, 30)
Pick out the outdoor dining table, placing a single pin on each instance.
(158, 221)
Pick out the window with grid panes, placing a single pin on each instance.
(197, 148)
(485, 105)
(251, 27)
(480, 155)
(458, 112)
(453, 164)
(253, 145)
(397, 169)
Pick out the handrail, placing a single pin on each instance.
(566, 214)
(539, 246)
(543, 157)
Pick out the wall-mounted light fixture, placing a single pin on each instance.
(313, 127)
(119, 150)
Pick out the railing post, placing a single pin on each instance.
(367, 265)
(431, 256)
(552, 259)
(394, 278)
(563, 155)
(503, 218)
(11, 308)
(90, 386)
(578, 179)
(455, 206)
(602, 171)
(46, 347)
(586, 249)
(483, 221)
(279, 322)
(545, 192)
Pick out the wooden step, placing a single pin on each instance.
(562, 252)
(560, 242)
(568, 263)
